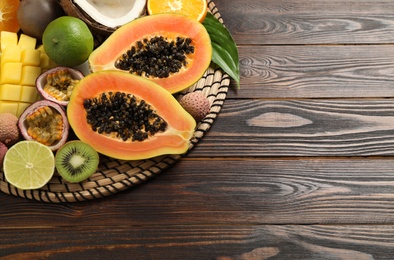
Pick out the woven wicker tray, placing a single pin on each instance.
(114, 175)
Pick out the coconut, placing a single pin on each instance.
(105, 16)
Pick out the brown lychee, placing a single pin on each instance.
(196, 104)
(9, 131)
(3, 150)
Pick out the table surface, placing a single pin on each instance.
(298, 164)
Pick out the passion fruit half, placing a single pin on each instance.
(56, 84)
(46, 122)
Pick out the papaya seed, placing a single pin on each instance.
(157, 57)
(123, 116)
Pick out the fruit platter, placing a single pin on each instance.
(95, 100)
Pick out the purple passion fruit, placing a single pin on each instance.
(58, 83)
(35, 15)
(45, 122)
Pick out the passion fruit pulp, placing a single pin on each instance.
(56, 84)
(45, 122)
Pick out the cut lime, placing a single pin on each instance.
(29, 165)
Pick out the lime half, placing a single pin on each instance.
(29, 165)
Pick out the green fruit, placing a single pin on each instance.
(76, 161)
(29, 165)
(68, 41)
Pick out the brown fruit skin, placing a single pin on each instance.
(196, 104)
(3, 151)
(9, 131)
(35, 15)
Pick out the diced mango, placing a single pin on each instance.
(14, 74)
(21, 107)
(27, 42)
(11, 54)
(10, 92)
(45, 61)
(8, 39)
(29, 94)
(20, 65)
(29, 75)
(30, 57)
(9, 107)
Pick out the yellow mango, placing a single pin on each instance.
(20, 65)
(14, 74)
(27, 42)
(29, 75)
(9, 107)
(30, 57)
(21, 107)
(45, 61)
(11, 54)
(10, 92)
(29, 94)
(8, 39)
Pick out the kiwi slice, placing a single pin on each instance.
(76, 161)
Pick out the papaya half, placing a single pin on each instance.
(172, 50)
(128, 117)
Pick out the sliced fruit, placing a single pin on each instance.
(76, 161)
(8, 15)
(57, 84)
(29, 165)
(170, 49)
(105, 16)
(68, 41)
(21, 64)
(128, 117)
(45, 122)
(195, 9)
(112, 13)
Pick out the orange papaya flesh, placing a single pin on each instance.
(169, 26)
(179, 125)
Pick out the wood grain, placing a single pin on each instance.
(298, 165)
(207, 192)
(310, 127)
(315, 72)
(309, 22)
(202, 242)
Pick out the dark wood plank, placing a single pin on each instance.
(200, 242)
(315, 72)
(298, 164)
(248, 128)
(309, 22)
(237, 192)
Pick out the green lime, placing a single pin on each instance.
(68, 41)
(29, 165)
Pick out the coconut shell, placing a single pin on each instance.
(99, 31)
(73, 10)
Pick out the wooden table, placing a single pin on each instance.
(298, 165)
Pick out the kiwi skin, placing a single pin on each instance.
(76, 161)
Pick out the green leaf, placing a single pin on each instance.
(224, 49)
